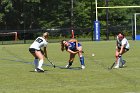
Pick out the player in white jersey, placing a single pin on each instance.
(122, 46)
(35, 50)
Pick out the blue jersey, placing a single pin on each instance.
(72, 46)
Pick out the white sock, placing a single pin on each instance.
(121, 60)
(118, 61)
(36, 63)
(40, 63)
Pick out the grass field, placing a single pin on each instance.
(17, 76)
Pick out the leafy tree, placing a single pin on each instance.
(37, 14)
(5, 8)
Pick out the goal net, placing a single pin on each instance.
(8, 37)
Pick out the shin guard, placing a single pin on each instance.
(82, 60)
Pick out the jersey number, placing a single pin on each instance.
(39, 40)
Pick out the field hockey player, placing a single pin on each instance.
(73, 47)
(122, 46)
(35, 50)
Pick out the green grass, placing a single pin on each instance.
(17, 76)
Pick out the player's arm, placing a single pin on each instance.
(73, 52)
(116, 45)
(122, 49)
(72, 40)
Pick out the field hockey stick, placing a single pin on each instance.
(111, 66)
(50, 62)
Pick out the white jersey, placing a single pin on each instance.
(38, 43)
(124, 42)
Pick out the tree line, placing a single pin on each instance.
(43, 14)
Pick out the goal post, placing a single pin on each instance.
(137, 37)
(4, 36)
(136, 34)
(96, 33)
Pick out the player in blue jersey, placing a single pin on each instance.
(73, 47)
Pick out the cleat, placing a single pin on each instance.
(40, 70)
(117, 66)
(67, 66)
(35, 70)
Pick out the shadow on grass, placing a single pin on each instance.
(23, 61)
(71, 68)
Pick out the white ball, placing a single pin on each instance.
(93, 54)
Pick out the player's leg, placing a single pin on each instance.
(36, 63)
(117, 58)
(32, 51)
(81, 57)
(72, 56)
(122, 62)
(41, 60)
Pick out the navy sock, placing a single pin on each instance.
(70, 63)
(82, 60)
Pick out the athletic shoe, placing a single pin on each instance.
(67, 66)
(40, 70)
(35, 69)
(83, 67)
(116, 66)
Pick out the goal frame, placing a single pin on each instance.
(8, 33)
(137, 37)
(113, 7)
